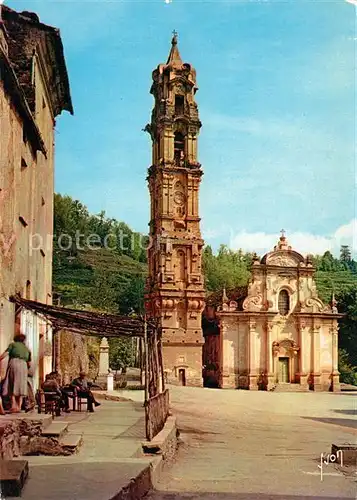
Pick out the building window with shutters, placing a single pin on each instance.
(284, 303)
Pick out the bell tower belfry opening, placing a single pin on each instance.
(175, 290)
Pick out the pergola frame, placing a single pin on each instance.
(97, 324)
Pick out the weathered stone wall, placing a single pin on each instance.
(73, 355)
(29, 102)
(26, 194)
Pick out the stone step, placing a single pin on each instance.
(46, 420)
(55, 430)
(13, 475)
(71, 442)
(289, 388)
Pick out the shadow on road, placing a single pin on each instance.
(346, 412)
(158, 495)
(343, 422)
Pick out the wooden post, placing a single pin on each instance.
(141, 359)
(146, 403)
(146, 361)
(157, 365)
(161, 366)
(56, 350)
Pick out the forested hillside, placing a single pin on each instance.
(100, 263)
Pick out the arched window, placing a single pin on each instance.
(179, 105)
(284, 303)
(179, 147)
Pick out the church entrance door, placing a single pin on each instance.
(284, 370)
(182, 377)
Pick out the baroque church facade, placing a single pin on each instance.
(275, 333)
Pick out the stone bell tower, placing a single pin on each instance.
(175, 290)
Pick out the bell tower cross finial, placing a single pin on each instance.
(174, 36)
(283, 233)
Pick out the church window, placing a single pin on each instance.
(179, 105)
(179, 147)
(284, 303)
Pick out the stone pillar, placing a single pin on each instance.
(102, 379)
(228, 377)
(275, 352)
(253, 374)
(316, 374)
(104, 357)
(336, 387)
(110, 382)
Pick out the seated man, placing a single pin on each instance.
(83, 391)
(51, 384)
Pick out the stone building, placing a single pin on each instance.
(274, 333)
(175, 289)
(34, 90)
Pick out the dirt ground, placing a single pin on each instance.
(259, 445)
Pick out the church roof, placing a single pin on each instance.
(283, 254)
(174, 58)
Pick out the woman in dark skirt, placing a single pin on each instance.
(15, 383)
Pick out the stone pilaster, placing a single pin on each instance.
(269, 356)
(302, 375)
(228, 376)
(316, 374)
(253, 372)
(335, 386)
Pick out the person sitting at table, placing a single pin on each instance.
(83, 391)
(51, 384)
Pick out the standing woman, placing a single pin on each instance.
(15, 383)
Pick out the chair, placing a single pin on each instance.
(81, 401)
(48, 402)
(72, 395)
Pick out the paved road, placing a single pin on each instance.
(259, 445)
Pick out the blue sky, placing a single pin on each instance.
(276, 99)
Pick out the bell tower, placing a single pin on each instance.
(175, 289)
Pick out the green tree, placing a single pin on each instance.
(132, 296)
(348, 373)
(345, 253)
(121, 353)
(102, 296)
(347, 304)
(70, 220)
(229, 268)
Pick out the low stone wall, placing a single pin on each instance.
(9, 440)
(164, 447)
(15, 432)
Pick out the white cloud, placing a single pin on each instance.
(304, 243)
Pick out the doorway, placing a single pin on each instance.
(284, 370)
(182, 376)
